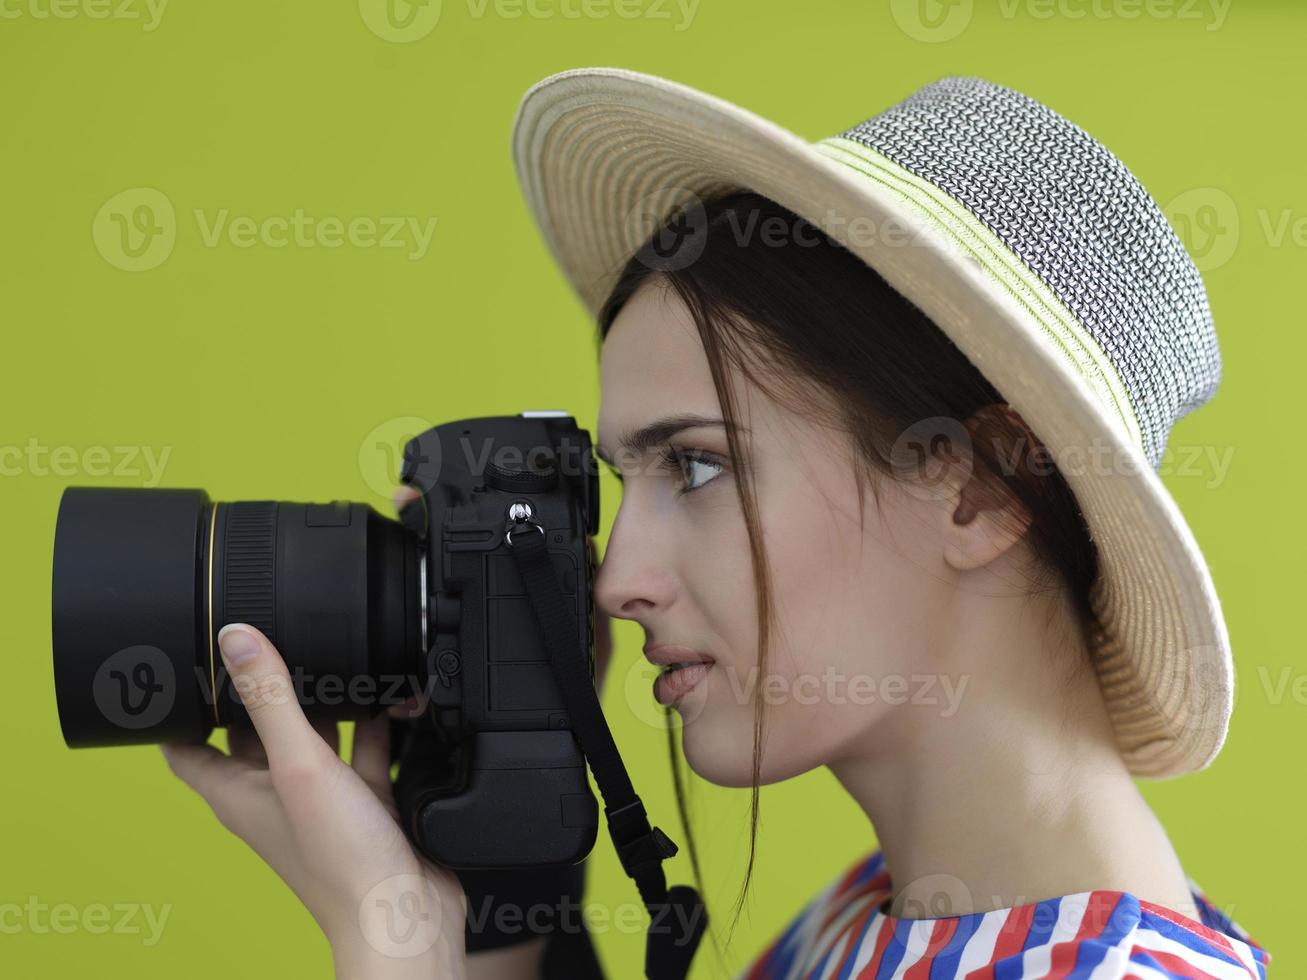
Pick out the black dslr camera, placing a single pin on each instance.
(480, 596)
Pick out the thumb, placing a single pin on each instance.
(263, 683)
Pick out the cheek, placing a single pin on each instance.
(717, 572)
(853, 599)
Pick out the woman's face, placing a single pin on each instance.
(858, 611)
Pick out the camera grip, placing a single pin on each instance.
(524, 803)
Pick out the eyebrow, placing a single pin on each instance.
(641, 440)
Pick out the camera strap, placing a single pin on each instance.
(677, 915)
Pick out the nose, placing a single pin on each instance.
(635, 579)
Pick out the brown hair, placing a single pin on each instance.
(817, 315)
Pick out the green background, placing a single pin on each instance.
(275, 372)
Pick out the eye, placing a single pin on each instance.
(691, 465)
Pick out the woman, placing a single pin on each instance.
(984, 635)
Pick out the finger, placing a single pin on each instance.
(243, 743)
(204, 769)
(371, 751)
(403, 496)
(263, 683)
(402, 711)
(411, 708)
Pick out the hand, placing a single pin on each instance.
(329, 830)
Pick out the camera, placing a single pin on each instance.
(366, 611)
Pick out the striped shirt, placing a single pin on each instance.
(844, 933)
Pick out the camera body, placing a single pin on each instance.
(492, 775)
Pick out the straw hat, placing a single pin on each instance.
(1029, 244)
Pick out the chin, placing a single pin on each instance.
(725, 757)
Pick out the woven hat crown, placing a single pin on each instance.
(1080, 221)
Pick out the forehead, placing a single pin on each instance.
(652, 364)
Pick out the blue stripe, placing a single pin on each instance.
(1185, 937)
(1120, 924)
(898, 946)
(783, 951)
(1042, 920)
(846, 968)
(947, 960)
(1144, 958)
(821, 965)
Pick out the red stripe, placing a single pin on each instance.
(939, 938)
(838, 903)
(1178, 966)
(1098, 912)
(868, 972)
(1218, 939)
(855, 935)
(763, 962)
(1011, 938)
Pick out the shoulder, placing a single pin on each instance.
(1111, 935)
(860, 887)
(1167, 940)
(851, 896)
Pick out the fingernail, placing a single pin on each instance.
(237, 645)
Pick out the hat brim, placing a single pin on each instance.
(596, 149)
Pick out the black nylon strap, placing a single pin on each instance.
(678, 917)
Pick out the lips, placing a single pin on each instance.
(683, 668)
(674, 655)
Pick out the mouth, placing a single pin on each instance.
(677, 679)
(682, 669)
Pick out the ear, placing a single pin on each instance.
(986, 520)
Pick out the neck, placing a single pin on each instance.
(1018, 796)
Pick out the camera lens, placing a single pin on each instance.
(144, 580)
